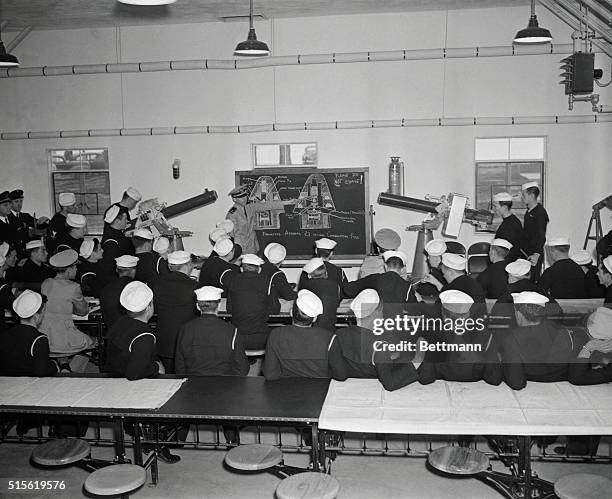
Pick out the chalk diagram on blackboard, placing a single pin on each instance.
(265, 190)
(315, 204)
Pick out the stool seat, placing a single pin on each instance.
(253, 457)
(458, 460)
(309, 485)
(116, 479)
(60, 452)
(583, 486)
(255, 353)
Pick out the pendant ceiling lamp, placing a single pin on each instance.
(533, 33)
(6, 60)
(146, 2)
(252, 47)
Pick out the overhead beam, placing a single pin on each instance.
(21, 36)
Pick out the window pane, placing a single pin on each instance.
(490, 179)
(491, 149)
(527, 148)
(526, 172)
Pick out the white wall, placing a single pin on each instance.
(438, 159)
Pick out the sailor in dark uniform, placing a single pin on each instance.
(328, 291)
(453, 269)
(175, 303)
(434, 250)
(593, 364)
(384, 240)
(248, 302)
(24, 350)
(146, 270)
(74, 235)
(534, 228)
(6, 293)
(114, 241)
(279, 286)
(66, 201)
(604, 275)
(604, 245)
(217, 267)
(35, 270)
(301, 350)
(592, 286)
(207, 345)
(564, 278)
(161, 245)
(494, 279)
(110, 304)
(510, 228)
(24, 223)
(324, 249)
(131, 197)
(89, 269)
(8, 232)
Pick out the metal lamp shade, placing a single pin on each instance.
(533, 33)
(7, 60)
(252, 46)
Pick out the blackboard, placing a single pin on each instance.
(332, 202)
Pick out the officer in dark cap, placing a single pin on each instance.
(24, 223)
(8, 233)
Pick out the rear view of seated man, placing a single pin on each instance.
(461, 330)
(275, 253)
(217, 266)
(494, 279)
(594, 362)
(324, 249)
(328, 290)
(592, 286)
(537, 349)
(89, 269)
(302, 350)
(564, 278)
(74, 235)
(384, 240)
(109, 295)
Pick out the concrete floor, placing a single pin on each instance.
(201, 474)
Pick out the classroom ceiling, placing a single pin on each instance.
(61, 14)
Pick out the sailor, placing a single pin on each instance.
(594, 362)
(74, 235)
(114, 241)
(453, 269)
(384, 240)
(217, 266)
(328, 291)
(243, 215)
(161, 245)
(146, 269)
(510, 227)
(324, 249)
(564, 278)
(6, 292)
(207, 345)
(67, 202)
(8, 232)
(24, 223)
(494, 279)
(89, 268)
(434, 250)
(35, 270)
(534, 228)
(279, 287)
(131, 197)
(604, 275)
(111, 292)
(592, 286)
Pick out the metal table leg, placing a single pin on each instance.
(315, 446)
(119, 441)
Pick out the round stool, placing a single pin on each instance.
(253, 457)
(61, 451)
(115, 480)
(458, 460)
(308, 485)
(583, 486)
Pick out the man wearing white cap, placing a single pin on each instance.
(217, 267)
(594, 362)
(175, 304)
(73, 236)
(89, 268)
(161, 245)
(328, 290)
(564, 278)
(23, 223)
(494, 279)
(302, 350)
(24, 350)
(534, 228)
(35, 268)
(433, 250)
(510, 227)
(207, 345)
(592, 286)
(110, 305)
(114, 241)
(324, 249)
(453, 269)
(604, 274)
(66, 202)
(130, 198)
(538, 349)
(248, 301)
(384, 240)
(274, 254)
(146, 269)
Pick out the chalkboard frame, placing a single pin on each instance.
(308, 170)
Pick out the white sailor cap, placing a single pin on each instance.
(251, 259)
(395, 254)
(309, 303)
(161, 244)
(275, 253)
(35, 243)
(502, 197)
(325, 243)
(582, 257)
(75, 220)
(518, 268)
(111, 214)
(453, 261)
(224, 246)
(179, 257)
(502, 243)
(365, 303)
(64, 259)
(217, 234)
(528, 185)
(558, 241)
(456, 301)
(4, 249)
(133, 193)
(126, 261)
(27, 304)
(599, 324)
(136, 296)
(143, 233)
(529, 297)
(313, 265)
(607, 263)
(435, 247)
(387, 239)
(67, 199)
(227, 225)
(87, 247)
(208, 293)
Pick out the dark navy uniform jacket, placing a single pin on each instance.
(109, 300)
(6, 300)
(65, 241)
(334, 273)
(214, 270)
(146, 268)
(564, 279)
(22, 222)
(592, 287)
(24, 351)
(278, 287)
(494, 280)
(534, 230)
(511, 230)
(468, 285)
(328, 291)
(114, 244)
(8, 232)
(88, 276)
(30, 272)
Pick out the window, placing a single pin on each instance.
(503, 164)
(85, 173)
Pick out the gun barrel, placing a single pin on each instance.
(407, 203)
(207, 197)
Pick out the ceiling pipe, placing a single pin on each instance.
(310, 126)
(289, 60)
(21, 36)
(600, 28)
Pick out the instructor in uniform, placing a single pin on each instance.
(534, 229)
